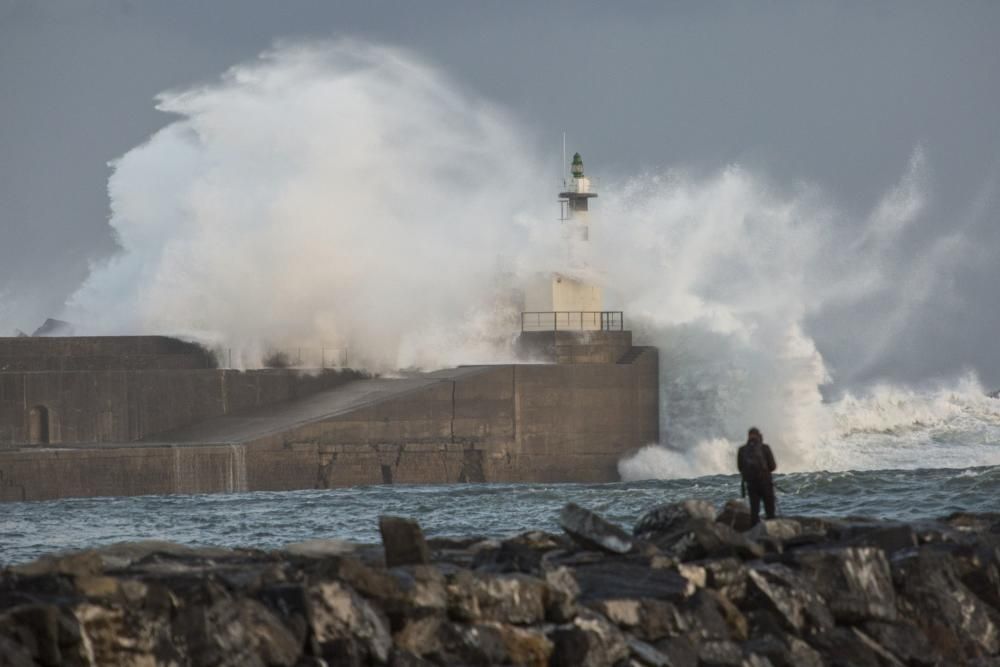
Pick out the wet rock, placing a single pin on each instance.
(592, 531)
(76, 564)
(890, 537)
(344, 623)
(852, 647)
(706, 617)
(728, 576)
(525, 646)
(403, 541)
(790, 596)
(665, 519)
(419, 636)
(681, 651)
(621, 578)
(513, 598)
(560, 595)
(720, 653)
(646, 654)
(510, 557)
(471, 645)
(45, 634)
(778, 529)
(855, 581)
(290, 604)
(590, 641)
(649, 620)
(933, 597)
(701, 538)
(787, 651)
(736, 515)
(905, 641)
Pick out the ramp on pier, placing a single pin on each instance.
(232, 429)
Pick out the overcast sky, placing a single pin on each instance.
(834, 94)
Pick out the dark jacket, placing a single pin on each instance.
(756, 463)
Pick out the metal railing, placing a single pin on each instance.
(573, 320)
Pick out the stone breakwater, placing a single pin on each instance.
(686, 587)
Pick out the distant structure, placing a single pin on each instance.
(575, 290)
(133, 415)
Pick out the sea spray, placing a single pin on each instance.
(339, 194)
(350, 195)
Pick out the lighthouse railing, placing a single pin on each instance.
(573, 320)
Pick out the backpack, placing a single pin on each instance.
(754, 460)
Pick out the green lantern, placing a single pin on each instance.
(577, 168)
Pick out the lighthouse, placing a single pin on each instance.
(569, 296)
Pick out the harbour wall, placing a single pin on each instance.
(507, 423)
(105, 406)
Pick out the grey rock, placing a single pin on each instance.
(343, 621)
(471, 645)
(850, 646)
(790, 596)
(736, 515)
(905, 641)
(932, 596)
(726, 575)
(626, 578)
(700, 538)
(508, 598)
(855, 581)
(403, 541)
(592, 531)
(673, 516)
(786, 651)
(589, 641)
(560, 595)
(681, 651)
(719, 653)
(647, 654)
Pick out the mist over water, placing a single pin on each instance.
(351, 196)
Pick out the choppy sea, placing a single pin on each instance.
(270, 520)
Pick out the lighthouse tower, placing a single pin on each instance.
(575, 207)
(570, 296)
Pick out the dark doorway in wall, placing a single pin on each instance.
(38, 425)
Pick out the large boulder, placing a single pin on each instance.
(625, 578)
(589, 641)
(790, 596)
(403, 541)
(647, 619)
(736, 515)
(515, 599)
(726, 575)
(933, 597)
(851, 646)
(668, 518)
(784, 651)
(905, 641)
(855, 581)
(592, 531)
(345, 624)
(700, 538)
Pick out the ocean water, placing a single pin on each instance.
(893, 453)
(270, 520)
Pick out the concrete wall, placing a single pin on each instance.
(520, 423)
(101, 353)
(124, 406)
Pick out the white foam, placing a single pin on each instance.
(351, 196)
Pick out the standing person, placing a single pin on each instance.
(756, 463)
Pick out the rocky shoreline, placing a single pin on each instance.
(687, 587)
